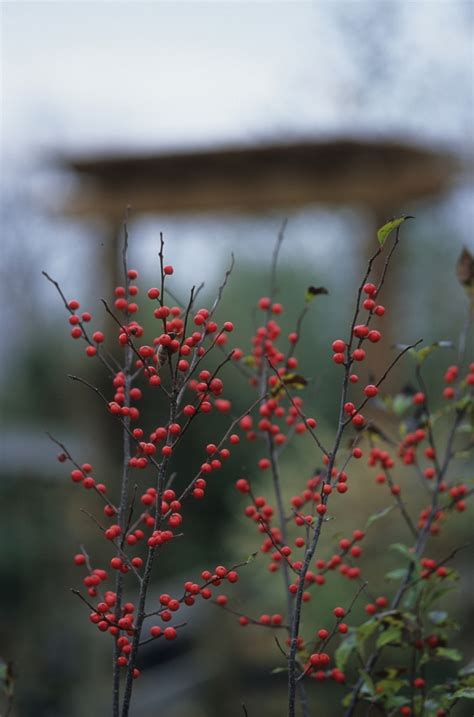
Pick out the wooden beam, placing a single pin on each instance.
(376, 174)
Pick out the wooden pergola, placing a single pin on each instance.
(379, 177)
(249, 179)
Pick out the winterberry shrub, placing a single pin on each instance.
(383, 663)
(388, 663)
(143, 514)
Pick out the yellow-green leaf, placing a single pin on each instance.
(422, 354)
(385, 230)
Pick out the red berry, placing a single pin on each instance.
(369, 289)
(361, 331)
(339, 346)
(374, 336)
(370, 390)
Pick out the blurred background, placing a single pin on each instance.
(214, 123)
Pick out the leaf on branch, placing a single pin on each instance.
(394, 701)
(345, 650)
(396, 574)
(422, 354)
(313, 291)
(465, 271)
(392, 634)
(369, 687)
(384, 232)
(403, 550)
(277, 670)
(291, 380)
(448, 654)
(466, 693)
(364, 631)
(401, 403)
(380, 514)
(467, 670)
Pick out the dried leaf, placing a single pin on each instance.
(465, 270)
(313, 291)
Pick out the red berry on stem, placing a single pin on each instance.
(339, 346)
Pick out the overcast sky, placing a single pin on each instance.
(94, 75)
(102, 76)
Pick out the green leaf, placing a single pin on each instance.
(384, 232)
(467, 670)
(378, 515)
(448, 654)
(466, 693)
(392, 634)
(394, 701)
(403, 550)
(345, 650)
(422, 354)
(401, 403)
(439, 592)
(369, 687)
(388, 688)
(364, 631)
(277, 670)
(347, 700)
(313, 291)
